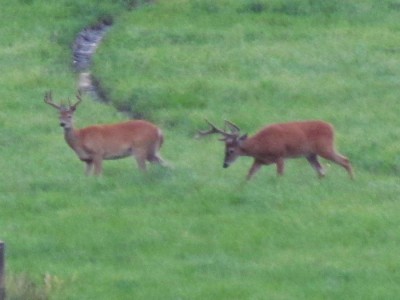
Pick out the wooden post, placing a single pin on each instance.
(2, 275)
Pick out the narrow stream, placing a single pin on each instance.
(83, 49)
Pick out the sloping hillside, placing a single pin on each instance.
(198, 231)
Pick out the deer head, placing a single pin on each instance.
(233, 140)
(66, 112)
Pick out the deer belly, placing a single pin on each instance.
(119, 154)
(272, 157)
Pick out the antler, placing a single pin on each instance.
(213, 130)
(78, 96)
(233, 128)
(49, 100)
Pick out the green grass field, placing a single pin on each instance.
(198, 231)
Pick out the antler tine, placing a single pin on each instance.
(233, 128)
(78, 96)
(212, 130)
(49, 100)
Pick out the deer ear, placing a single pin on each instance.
(243, 137)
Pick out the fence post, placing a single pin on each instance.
(2, 275)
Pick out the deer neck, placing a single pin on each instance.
(246, 148)
(71, 137)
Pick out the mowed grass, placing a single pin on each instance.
(198, 231)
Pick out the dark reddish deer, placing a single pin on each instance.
(93, 144)
(277, 142)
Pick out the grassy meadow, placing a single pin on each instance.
(198, 231)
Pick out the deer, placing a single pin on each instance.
(93, 144)
(275, 143)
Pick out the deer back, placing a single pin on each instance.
(290, 139)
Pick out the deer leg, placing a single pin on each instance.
(97, 163)
(141, 161)
(155, 158)
(313, 160)
(280, 166)
(340, 160)
(254, 168)
(89, 167)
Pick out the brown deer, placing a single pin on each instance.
(93, 144)
(277, 142)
